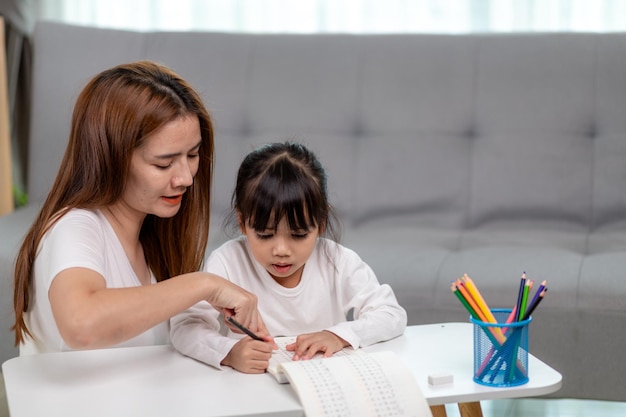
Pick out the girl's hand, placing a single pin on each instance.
(249, 356)
(307, 345)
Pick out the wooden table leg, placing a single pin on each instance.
(438, 410)
(470, 409)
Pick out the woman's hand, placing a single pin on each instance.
(234, 301)
(249, 356)
(307, 345)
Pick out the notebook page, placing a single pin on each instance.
(283, 355)
(363, 384)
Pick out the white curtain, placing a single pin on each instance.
(347, 16)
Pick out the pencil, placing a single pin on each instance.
(535, 303)
(539, 290)
(511, 318)
(522, 309)
(495, 331)
(520, 293)
(480, 301)
(463, 301)
(244, 329)
(470, 300)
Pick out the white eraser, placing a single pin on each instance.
(440, 379)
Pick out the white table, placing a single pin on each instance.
(157, 381)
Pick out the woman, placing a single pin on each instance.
(115, 250)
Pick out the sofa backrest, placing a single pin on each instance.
(434, 130)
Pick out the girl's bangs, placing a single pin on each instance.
(283, 201)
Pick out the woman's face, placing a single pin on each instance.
(163, 167)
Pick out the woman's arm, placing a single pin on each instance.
(89, 315)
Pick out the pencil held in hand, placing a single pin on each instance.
(243, 328)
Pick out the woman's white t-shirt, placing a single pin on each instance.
(85, 239)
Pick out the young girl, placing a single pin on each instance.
(306, 284)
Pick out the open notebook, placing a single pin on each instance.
(351, 383)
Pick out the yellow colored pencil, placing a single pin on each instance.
(471, 287)
(480, 301)
(496, 331)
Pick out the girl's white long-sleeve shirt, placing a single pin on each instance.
(335, 281)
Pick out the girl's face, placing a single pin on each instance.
(163, 167)
(283, 252)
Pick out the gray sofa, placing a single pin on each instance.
(489, 155)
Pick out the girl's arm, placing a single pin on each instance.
(377, 317)
(196, 333)
(89, 315)
(376, 312)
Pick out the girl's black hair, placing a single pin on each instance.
(283, 180)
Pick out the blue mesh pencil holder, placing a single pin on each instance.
(501, 351)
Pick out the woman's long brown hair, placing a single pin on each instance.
(116, 111)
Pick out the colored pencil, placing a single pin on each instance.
(480, 301)
(522, 308)
(470, 300)
(520, 293)
(458, 294)
(520, 298)
(536, 302)
(455, 289)
(511, 318)
(539, 290)
(481, 316)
